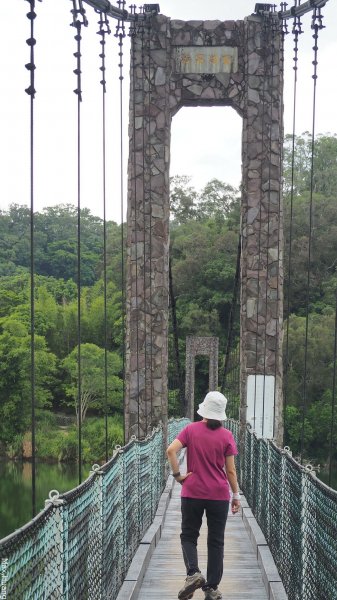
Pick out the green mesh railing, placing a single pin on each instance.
(298, 516)
(81, 546)
(234, 427)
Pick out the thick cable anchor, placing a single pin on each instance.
(54, 499)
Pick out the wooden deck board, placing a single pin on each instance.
(242, 579)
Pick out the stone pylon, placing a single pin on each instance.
(204, 63)
(200, 346)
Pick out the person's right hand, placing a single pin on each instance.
(236, 505)
(182, 478)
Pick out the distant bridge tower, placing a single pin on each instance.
(210, 63)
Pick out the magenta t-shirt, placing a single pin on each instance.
(206, 452)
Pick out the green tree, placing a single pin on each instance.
(116, 262)
(310, 398)
(93, 379)
(15, 377)
(325, 164)
(216, 200)
(55, 242)
(96, 317)
(203, 280)
(323, 250)
(183, 199)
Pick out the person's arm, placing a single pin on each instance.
(233, 482)
(171, 454)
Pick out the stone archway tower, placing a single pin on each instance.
(203, 63)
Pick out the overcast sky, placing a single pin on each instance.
(206, 142)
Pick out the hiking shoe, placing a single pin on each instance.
(211, 594)
(192, 583)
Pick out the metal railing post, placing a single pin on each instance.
(56, 571)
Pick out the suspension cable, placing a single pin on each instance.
(104, 29)
(79, 19)
(316, 26)
(231, 317)
(176, 341)
(31, 41)
(333, 398)
(283, 28)
(121, 14)
(297, 31)
(120, 34)
(111, 11)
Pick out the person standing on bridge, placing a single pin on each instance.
(205, 488)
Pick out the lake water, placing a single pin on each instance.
(16, 489)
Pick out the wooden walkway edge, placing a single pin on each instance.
(157, 570)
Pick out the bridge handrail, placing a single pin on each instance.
(297, 514)
(81, 545)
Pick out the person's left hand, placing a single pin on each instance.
(236, 505)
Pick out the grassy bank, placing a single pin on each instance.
(59, 443)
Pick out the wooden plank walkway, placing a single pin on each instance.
(242, 579)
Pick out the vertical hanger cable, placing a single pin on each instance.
(120, 34)
(333, 399)
(104, 29)
(79, 19)
(316, 26)
(31, 41)
(297, 30)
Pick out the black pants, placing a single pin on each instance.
(192, 510)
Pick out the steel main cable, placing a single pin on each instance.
(298, 10)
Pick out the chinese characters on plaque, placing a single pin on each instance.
(206, 59)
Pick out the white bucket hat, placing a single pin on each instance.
(213, 406)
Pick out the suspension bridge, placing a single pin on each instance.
(115, 535)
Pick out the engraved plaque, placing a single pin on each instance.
(206, 59)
